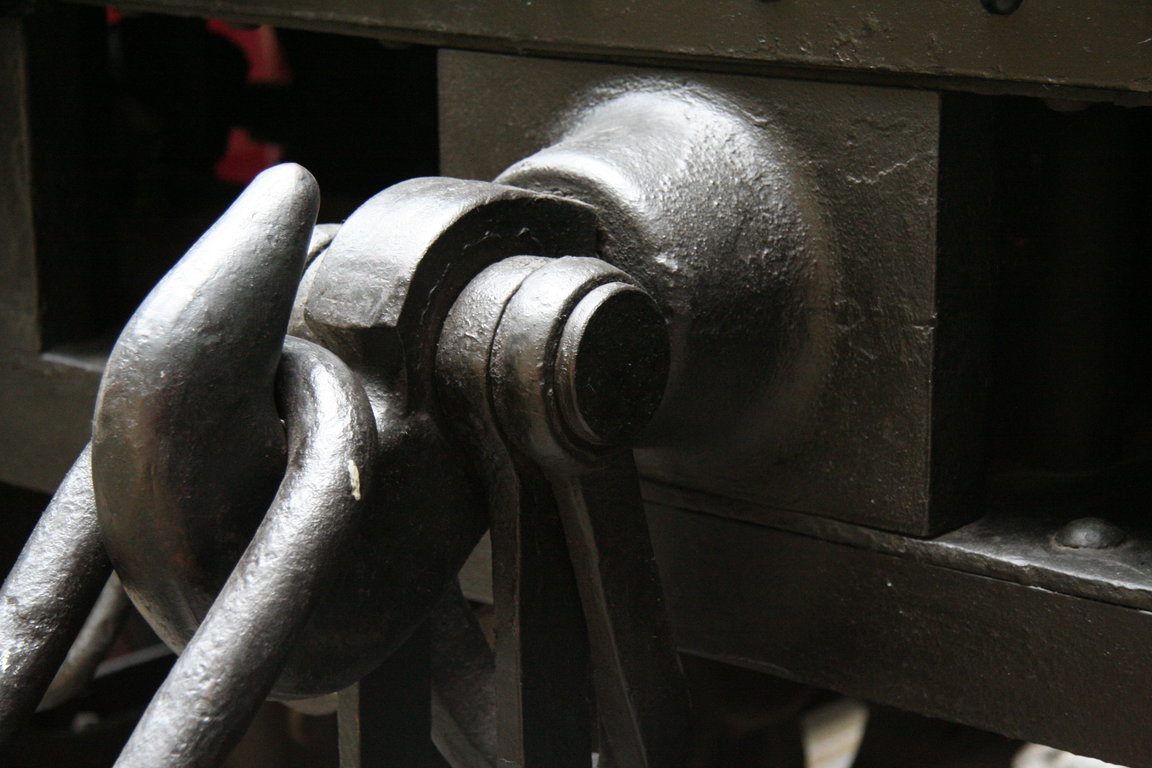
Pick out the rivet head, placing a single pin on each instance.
(1090, 533)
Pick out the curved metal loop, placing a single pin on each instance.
(232, 661)
(91, 645)
(48, 594)
(187, 445)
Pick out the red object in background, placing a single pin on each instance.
(266, 63)
(245, 157)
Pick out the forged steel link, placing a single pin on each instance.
(530, 350)
(436, 382)
(230, 664)
(48, 594)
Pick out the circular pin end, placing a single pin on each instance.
(612, 364)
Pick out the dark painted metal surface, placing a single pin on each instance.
(1040, 624)
(232, 661)
(506, 360)
(1090, 533)
(48, 404)
(1015, 644)
(385, 719)
(541, 699)
(377, 299)
(1018, 660)
(463, 684)
(191, 374)
(18, 327)
(47, 595)
(788, 232)
(1009, 543)
(1040, 47)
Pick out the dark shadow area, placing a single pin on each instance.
(144, 129)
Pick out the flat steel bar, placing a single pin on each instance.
(385, 720)
(1043, 47)
(1018, 660)
(639, 680)
(543, 673)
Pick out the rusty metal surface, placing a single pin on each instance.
(1040, 48)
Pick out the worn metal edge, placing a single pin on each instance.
(1021, 660)
(46, 418)
(441, 33)
(1001, 545)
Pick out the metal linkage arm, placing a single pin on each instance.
(553, 365)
